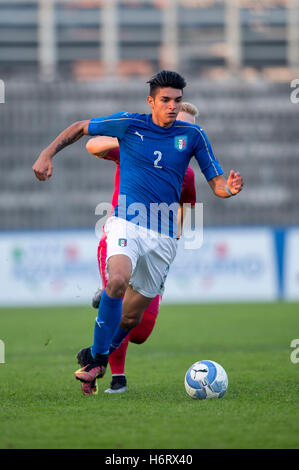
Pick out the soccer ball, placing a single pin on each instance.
(206, 379)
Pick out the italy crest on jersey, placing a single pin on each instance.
(122, 242)
(180, 142)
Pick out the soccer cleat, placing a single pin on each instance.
(97, 298)
(91, 368)
(118, 384)
(90, 372)
(89, 388)
(84, 358)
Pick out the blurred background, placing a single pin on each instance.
(64, 60)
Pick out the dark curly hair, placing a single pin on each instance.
(166, 78)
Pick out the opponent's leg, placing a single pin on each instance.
(117, 365)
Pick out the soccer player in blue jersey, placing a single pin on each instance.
(141, 236)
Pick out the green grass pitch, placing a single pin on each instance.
(41, 405)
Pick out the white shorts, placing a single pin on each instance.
(150, 253)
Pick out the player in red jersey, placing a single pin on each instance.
(107, 148)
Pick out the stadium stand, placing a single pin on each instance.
(253, 128)
(249, 117)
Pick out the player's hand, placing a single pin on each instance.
(43, 167)
(235, 182)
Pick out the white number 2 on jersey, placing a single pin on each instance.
(157, 152)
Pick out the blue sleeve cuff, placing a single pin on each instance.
(212, 171)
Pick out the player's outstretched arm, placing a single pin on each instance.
(101, 145)
(227, 188)
(43, 167)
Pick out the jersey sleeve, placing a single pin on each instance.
(188, 193)
(205, 157)
(113, 126)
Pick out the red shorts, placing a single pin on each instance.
(153, 307)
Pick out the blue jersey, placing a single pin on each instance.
(153, 163)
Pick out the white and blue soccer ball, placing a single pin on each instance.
(206, 379)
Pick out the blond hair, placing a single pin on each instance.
(190, 109)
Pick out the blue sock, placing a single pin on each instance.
(117, 339)
(107, 321)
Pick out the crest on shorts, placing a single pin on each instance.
(180, 142)
(122, 242)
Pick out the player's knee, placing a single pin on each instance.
(117, 285)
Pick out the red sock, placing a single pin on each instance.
(141, 332)
(118, 358)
